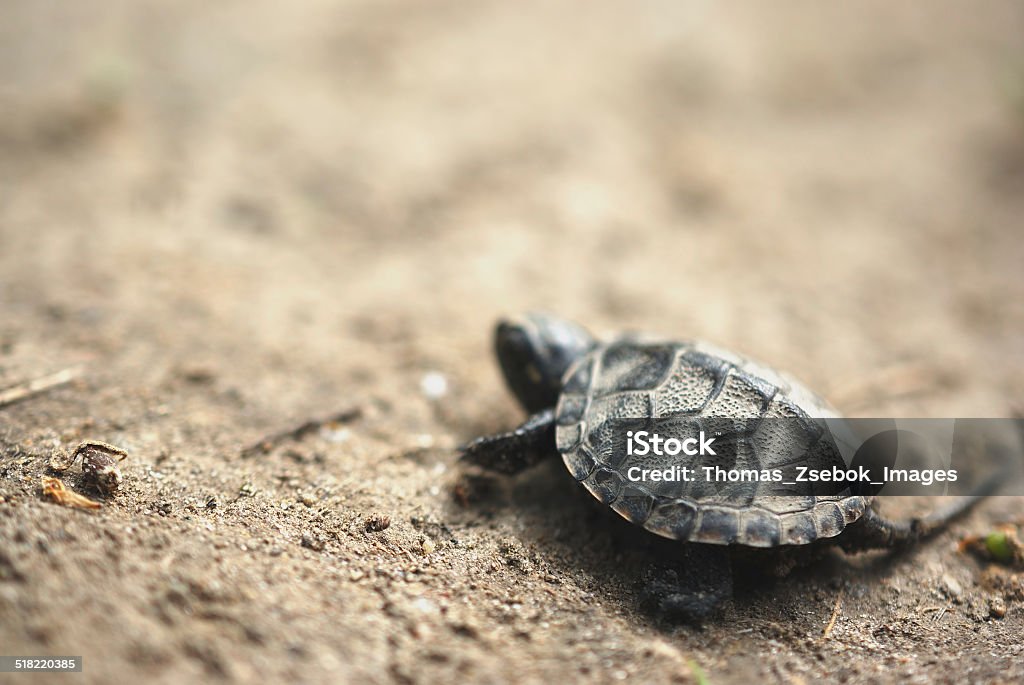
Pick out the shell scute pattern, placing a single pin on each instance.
(673, 518)
(634, 504)
(580, 462)
(687, 390)
(762, 531)
(687, 387)
(798, 528)
(626, 366)
(718, 525)
(605, 484)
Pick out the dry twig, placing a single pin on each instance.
(26, 389)
(835, 615)
(270, 441)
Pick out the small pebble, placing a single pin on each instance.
(434, 385)
(312, 542)
(335, 434)
(951, 587)
(427, 545)
(377, 523)
(997, 608)
(424, 606)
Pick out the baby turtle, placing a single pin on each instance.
(583, 395)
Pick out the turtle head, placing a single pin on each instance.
(535, 351)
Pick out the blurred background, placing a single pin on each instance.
(307, 205)
(833, 189)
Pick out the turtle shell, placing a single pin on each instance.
(760, 419)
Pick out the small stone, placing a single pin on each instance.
(334, 433)
(951, 587)
(997, 608)
(424, 606)
(198, 374)
(427, 545)
(377, 523)
(434, 385)
(312, 542)
(466, 629)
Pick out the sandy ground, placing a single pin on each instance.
(236, 217)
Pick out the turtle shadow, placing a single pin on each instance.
(572, 537)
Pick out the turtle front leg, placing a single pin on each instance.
(512, 452)
(694, 592)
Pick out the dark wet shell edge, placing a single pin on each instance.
(718, 524)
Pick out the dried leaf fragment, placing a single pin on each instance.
(377, 523)
(99, 464)
(54, 489)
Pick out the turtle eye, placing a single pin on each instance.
(522, 365)
(535, 352)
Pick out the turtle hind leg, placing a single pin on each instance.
(874, 531)
(697, 590)
(512, 452)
